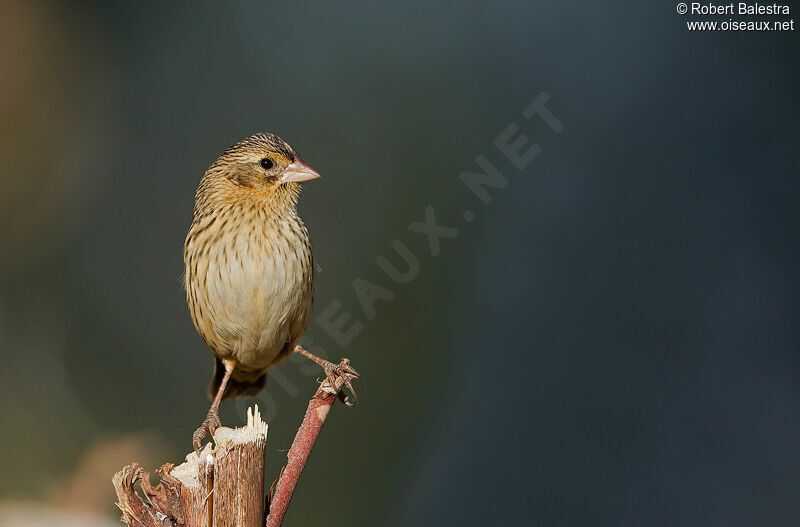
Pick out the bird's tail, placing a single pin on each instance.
(235, 387)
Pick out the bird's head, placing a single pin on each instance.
(262, 166)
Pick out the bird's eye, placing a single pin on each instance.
(267, 163)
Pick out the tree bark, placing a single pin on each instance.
(223, 486)
(239, 474)
(317, 411)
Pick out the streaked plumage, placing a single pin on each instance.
(249, 264)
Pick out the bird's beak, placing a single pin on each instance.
(298, 171)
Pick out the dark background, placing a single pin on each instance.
(613, 340)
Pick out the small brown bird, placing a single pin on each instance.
(250, 268)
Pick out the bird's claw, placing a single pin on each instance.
(210, 425)
(347, 373)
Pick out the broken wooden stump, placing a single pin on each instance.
(223, 486)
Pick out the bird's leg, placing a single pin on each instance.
(212, 422)
(343, 370)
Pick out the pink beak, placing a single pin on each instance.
(298, 171)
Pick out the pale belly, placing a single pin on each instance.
(249, 300)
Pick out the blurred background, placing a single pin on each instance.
(611, 340)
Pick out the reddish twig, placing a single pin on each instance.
(184, 495)
(317, 411)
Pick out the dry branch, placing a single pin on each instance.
(239, 473)
(137, 512)
(223, 486)
(195, 479)
(317, 411)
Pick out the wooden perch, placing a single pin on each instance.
(223, 486)
(317, 411)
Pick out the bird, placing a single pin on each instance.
(250, 270)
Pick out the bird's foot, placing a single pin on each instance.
(210, 425)
(346, 373)
(338, 375)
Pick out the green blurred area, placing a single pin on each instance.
(115, 113)
(608, 341)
